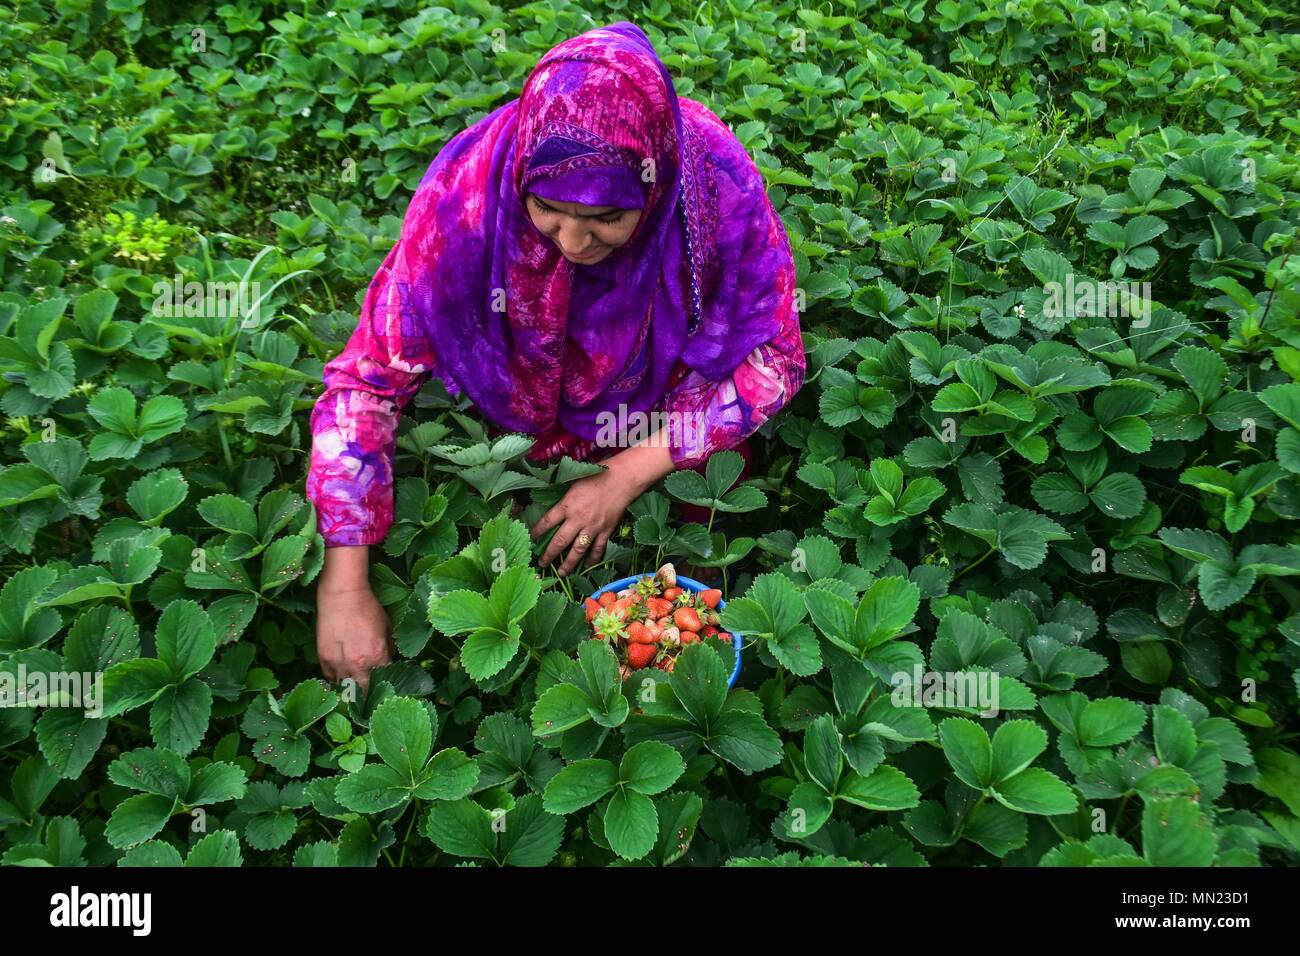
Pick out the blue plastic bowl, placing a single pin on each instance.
(691, 585)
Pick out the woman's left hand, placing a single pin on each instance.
(590, 510)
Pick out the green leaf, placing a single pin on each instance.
(229, 513)
(402, 735)
(186, 640)
(1036, 791)
(631, 824)
(1148, 661)
(179, 717)
(580, 784)
(969, 751)
(138, 818)
(823, 756)
(531, 836)
(485, 653)
(1119, 495)
(461, 828)
(162, 415)
(1110, 721)
(1176, 833)
(744, 740)
(69, 739)
(1015, 745)
(373, 789)
(560, 708)
(450, 775)
(1223, 584)
(808, 809)
(699, 682)
(651, 767)
(1173, 735)
(886, 788)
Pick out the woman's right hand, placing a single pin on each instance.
(353, 634)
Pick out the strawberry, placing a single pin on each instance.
(608, 625)
(726, 638)
(638, 633)
(671, 594)
(666, 663)
(708, 630)
(592, 606)
(607, 599)
(646, 587)
(711, 597)
(671, 636)
(640, 655)
(686, 619)
(690, 637)
(657, 607)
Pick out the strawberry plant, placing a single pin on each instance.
(1015, 573)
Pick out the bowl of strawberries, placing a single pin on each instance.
(649, 618)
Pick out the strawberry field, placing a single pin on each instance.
(1045, 464)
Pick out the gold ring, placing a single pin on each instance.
(583, 541)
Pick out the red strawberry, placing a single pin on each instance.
(690, 637)
(592, 606)
(607, 599)
(686, 619)
(670, 594)
(711, 597)
(638, 633)
(726, 638)
(666, 663)
(640, 655)
(658, 607)
(708, 630)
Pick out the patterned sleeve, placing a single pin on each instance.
(354, 422)
(706, 416)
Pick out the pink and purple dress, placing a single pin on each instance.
(691, 323)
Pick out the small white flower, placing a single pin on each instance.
(331, 13)
(8, 220)
(1020, 311)
(305, 111)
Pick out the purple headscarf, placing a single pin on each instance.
(539, 343)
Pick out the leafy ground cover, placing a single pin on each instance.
(1050, 441)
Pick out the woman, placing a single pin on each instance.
(597, 248)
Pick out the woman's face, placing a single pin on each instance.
(584, 234)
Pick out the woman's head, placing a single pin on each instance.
(583, 233)
(596, 140)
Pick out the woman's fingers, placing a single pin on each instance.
(560, 542)
(548, 521)
(598, 549)
(582, 543)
